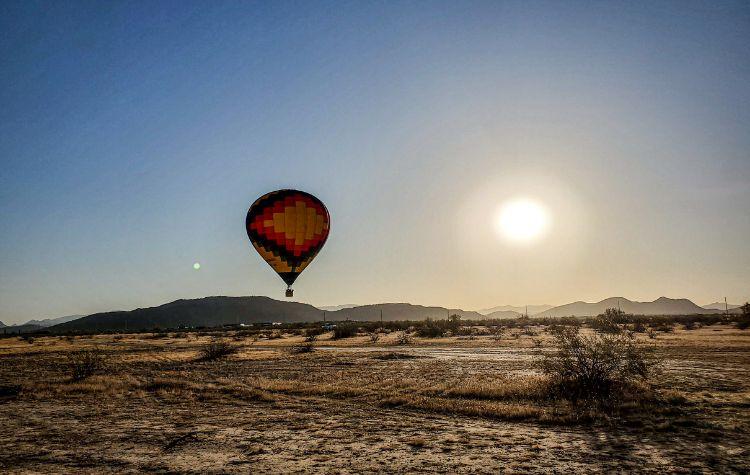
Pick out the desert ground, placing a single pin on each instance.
(460, 404)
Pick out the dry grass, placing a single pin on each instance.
(701, 396)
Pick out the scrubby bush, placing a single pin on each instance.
(216, 349)
(403, 339)
(597, 367)
(663, 327)
(346, 330)
(744, 321)
(431, 329)
(374, 337)
(313, 332)
(608, 322)
(308, 347)
(84, 363)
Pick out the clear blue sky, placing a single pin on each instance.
(134, 135)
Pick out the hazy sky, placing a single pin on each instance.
(134, 135)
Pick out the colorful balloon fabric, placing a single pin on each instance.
(288, 228)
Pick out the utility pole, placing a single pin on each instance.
(527, 311)
(381, 317)
(726, 307)
(324, 316)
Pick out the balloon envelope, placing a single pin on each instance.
(288, 228)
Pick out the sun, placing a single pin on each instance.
(522, 220)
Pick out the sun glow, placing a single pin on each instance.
(522, 220)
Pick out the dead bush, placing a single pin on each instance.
(82, 364)
(403, 339)
(308, 347)
(216, 349)
(599, 367)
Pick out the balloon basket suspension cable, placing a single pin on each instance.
(289, 291)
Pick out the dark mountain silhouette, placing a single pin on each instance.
(48, 322)
(532, 309)
(2, 325)
(207, 312)
(11, 329)
(217, 311)
(660, 306)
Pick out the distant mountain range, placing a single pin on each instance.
(37, 325)
(217, 311)
(660, 306)
(521, 310)
(500, 314)
(720, 306)
(333, 308)
(48, 322)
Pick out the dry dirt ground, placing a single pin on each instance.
(354, 406)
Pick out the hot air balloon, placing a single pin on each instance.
(288, 228)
